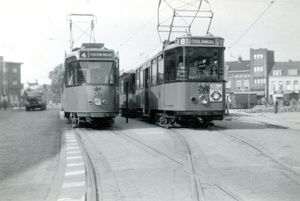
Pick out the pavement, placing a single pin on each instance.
(290, 120)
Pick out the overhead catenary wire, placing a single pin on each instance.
(271, 3)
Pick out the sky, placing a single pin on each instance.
(36, 32)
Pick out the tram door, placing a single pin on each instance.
(146, 82)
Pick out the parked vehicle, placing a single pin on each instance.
(242, 100)
(34, 96)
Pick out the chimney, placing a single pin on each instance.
(240, 59)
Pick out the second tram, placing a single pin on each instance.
(184, 83)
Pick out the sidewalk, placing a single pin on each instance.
(287, 119)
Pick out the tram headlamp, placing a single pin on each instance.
(97, 101)
(193, 99)
(104, 101)
(203, 99)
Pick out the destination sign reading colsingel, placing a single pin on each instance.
(202, 41)
(93, 54)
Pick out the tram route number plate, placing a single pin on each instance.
(215, 92)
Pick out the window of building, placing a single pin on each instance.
(273, 85)
(288, 85)
(15, 82)
(292, 72)
(296, 87)
(15, 70)
(246, 84)
(228, 85)
(280, 85)
(277, 72)
(238, 84)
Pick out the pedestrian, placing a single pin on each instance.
(276, 107)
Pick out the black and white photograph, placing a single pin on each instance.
(153, 100)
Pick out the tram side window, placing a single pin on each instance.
(138, 79)
(160, 69)
(154, 72)
(181, 70)
(170, 74)
(122, 86)
(71, 73)
(141, 79)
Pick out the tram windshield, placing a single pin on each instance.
(91, 72)
(194, 64)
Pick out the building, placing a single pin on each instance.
(261, 63)
(10, 84)
(262, 75)
(284, 78)
(239, 76)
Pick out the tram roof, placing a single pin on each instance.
(199, 41)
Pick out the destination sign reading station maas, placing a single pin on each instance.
(95, 54)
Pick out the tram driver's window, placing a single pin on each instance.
(71, 75)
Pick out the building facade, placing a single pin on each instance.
(284, 78)
(261, 63)
(239, 76)
(10, 84)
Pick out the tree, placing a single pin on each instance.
(56, 82)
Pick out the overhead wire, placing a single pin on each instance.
(139, 29)
(271, 3)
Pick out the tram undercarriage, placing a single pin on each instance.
(173, 120)
(78, 121)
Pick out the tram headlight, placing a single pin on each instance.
(203, 99)
(104, 101)
(97, 101)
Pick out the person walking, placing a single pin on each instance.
(276, 106)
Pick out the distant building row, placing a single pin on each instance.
(261, 74)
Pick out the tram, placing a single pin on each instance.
(127, 106)
(90, 85)
(184, 83)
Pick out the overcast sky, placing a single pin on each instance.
(36, 32)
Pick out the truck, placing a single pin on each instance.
(34, 96)
(242, 100)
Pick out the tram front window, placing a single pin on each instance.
(203, 63)
(97, 71)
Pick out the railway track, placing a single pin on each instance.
(196, 175)
(203, 186)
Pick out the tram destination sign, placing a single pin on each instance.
(203, 41)
(95, 54)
